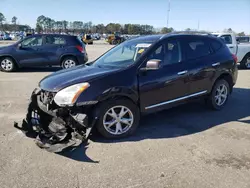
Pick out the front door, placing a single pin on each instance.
(167, 85)
(28, 54)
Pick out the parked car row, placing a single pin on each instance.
(5, 35)
(243, 39)
(140, 76)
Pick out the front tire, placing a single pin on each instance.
(117, 118)
(219, 95)
(7, 64)
(69, 62)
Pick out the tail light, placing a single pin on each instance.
(80, 48)
(235, 58)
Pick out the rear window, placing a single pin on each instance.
(197, 48)
(216, 45)
(227, 39)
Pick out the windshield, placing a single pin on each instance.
(124, 54)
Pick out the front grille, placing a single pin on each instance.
(46, 97)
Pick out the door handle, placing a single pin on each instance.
(182, 72)
(216, 64)
(231, 47)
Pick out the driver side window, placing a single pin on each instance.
(158, 54)
(32, 42)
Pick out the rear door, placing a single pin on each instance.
(167, 85)
(202, 64)
(28, 54)
(52, 49)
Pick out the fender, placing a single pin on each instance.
(91, 97)
(8, 55)
(119, 92)
(66, 54)
(223, 73)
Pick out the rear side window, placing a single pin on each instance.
(54, 40)
(158, 53)
(216, 45)
(197, 48)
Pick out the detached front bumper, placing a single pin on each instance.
(55, 128)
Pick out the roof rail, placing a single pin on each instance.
(191, 32)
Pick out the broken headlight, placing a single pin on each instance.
(69, 95)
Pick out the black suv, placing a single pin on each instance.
(142, 75)
(43, 50)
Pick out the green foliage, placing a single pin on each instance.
(167, 30)
(241, 34)
(47, 24)
(38, 28)
(13, 20)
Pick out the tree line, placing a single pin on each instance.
(46, 24)
(13, 26)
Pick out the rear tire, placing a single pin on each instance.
(7, 64)
(115, 124)
(245, 63)
(69, 62)
(219, 95)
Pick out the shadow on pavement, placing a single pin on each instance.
(184, 120)
(78, 154)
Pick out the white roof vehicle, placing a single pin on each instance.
(242, 51)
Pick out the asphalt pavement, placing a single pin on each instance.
(185, 147)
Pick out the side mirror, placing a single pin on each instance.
(153, 64)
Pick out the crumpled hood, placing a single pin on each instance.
(64, 78)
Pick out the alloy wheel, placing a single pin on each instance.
(221, 95)
(118, 120)
(6, 64)
(69, 63)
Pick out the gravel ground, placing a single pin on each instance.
(184, 147)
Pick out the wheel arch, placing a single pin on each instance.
(10, 56)
(247, 55)
(226, 76)
(65, 56)
(119, 97)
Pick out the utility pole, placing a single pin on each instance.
(198, 25)
(168, 12)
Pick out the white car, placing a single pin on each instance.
(242, 51)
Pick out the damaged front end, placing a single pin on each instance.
(55, 128)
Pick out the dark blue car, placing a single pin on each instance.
(43, 50)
